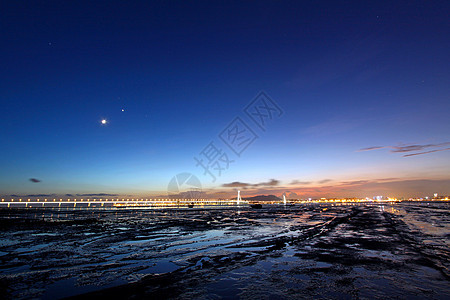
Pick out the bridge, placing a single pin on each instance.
(116, 202)
(113, 202)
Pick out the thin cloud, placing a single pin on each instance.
(35, 195)
(354, 182)
(296, 182)
(271, 182)
(426, 152)
(411, 148)
(401, 149)
(325, 180)
(236, 184)
(371, 148)
(388, 179)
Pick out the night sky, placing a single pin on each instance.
(362, 89)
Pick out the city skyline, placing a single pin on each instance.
(118, 99)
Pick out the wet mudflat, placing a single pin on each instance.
(322, 251)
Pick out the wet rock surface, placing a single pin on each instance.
(322, 251)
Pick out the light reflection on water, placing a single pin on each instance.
(426, 218)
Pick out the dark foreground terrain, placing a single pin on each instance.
(315, 251)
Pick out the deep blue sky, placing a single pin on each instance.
(348, 76)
